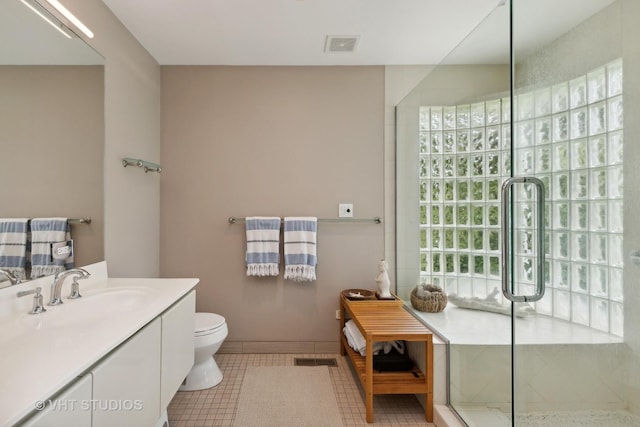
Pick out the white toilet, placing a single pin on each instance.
(210, 332)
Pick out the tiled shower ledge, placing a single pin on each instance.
(474, 327)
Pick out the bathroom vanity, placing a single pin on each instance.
(387, 320)
(116, 356)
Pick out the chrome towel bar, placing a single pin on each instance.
(377, 219)
(79, 220)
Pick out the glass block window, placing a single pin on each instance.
(570, 135)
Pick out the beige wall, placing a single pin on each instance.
(282, 141)
(132, 129)
(52, 139)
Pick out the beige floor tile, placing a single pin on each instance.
(217, 406)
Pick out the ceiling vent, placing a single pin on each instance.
(343, 44)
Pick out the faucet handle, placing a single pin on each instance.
(75, 290)
(38, 306)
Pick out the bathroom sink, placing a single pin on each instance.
(105, 303)
(94, 307)
(117, 298)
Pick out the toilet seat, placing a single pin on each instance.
(208, 323)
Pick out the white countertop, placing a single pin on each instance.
(42, 353)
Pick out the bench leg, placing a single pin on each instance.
(368, 387)
(428, 363)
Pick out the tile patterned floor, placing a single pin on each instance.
(217, 406)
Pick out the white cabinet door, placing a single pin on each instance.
(126, 384)
(71, 408)
(177, 346)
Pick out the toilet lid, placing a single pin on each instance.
(208, 321)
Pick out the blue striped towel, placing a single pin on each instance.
(13, 246)
(263, 246)
(300, 259)
(44, 232)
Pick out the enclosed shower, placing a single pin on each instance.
(518, 185)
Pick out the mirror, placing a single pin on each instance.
(51, 127)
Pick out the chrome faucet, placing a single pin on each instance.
(13, 279)
(56, 287)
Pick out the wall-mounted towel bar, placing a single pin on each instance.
(377, 220)
(147, 166)
(79, 220)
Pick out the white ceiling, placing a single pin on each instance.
(293, 32)
(391, 32)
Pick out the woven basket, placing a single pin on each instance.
(434, 301)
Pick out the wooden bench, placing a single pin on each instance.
(387, 320)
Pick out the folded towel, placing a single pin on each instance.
(300, 234)
(44, 233)
(355, 338)
(349, 338)
(357, 342)
(13, 246)
(263, 246)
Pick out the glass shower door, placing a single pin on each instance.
(570, 363)
(543, 91)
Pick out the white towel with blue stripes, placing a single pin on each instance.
(13, 246)
(263, 245)
(300, 241)
(44, 233)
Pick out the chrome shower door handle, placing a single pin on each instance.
(507, 253)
